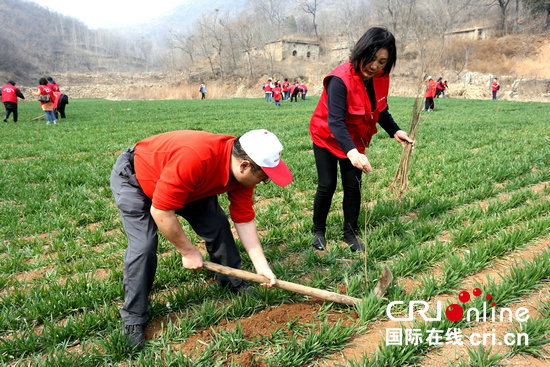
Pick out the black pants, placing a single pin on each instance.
(203, 95)
(294, 95)
(63, 101)
(327, 163)
(205, 216)
(429, 103)
(10, 108)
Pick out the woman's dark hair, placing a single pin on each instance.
(43, 81)
(368, 45)
(239, 152)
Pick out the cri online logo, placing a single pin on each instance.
(455, 312)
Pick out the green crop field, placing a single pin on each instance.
(478, 192)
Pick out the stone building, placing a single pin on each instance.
(474, 33)
(284, 49)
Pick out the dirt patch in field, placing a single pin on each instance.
(263, 323)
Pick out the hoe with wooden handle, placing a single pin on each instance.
(379, 290)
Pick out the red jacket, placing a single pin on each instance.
(267, 87)
(360, 118)
(9, 93)
(277, 93)
(495, 86)
(285, 86)
(431, 89)
(54, 87)
(44, 89)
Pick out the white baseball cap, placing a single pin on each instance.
(264, 148)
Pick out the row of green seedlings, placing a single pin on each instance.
(393, 236)
(334, 270)
(417, 257)
(420, 258)
(72, 251)
(520, 281)
(102, 347)
(25, 308)
(455, 269)
(49, 192)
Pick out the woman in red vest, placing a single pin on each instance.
(46, 103)
(354, 98)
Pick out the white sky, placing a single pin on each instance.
(110, 13)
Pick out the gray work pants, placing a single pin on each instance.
(205, 216)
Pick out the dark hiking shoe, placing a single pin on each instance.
(244, 289)
(319, 241)
(354, 243)
(135, 336)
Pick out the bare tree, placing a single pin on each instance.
(352, 16)
(272, 12)
(230, 29)
(311, 7)
(246, 34)
(184, 42)
(204, 43)
(503, 7)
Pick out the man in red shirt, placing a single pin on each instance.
(180, 173)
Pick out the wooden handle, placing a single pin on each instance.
(288, 286)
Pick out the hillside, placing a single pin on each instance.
(35, 41)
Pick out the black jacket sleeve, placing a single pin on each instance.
(387, 123)
(19, 94)
(337, 95)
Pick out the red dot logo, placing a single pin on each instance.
(477, 292)
(488, 297)
(454, 312)
(493, 304)
(464, 296)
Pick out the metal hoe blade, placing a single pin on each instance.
(383, 283)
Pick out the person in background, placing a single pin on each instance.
(46, 98)
(277, 93)
(202, 89)
(294, 90)
(495, 87)
(268, 88)
(354, 99)
(180, 174)
(286, 91)
(429, 94)
(9, 97)
(61, 100)
(52, 84)
(439, 87)
(303, 90)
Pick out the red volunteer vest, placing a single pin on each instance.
(267, 87)
(277, 93)
(360, 118)
(44, 89)
(495, 86)
(54, 87)
(431, 89)
(285, 86)
(8, 93)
